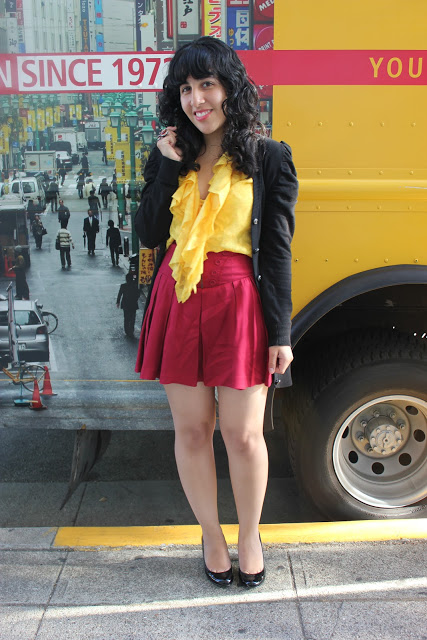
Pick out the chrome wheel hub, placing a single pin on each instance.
(380, 452)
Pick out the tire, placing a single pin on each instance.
(30, 373)
(51, 321)
(358, 426)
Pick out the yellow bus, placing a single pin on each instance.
(350, 97)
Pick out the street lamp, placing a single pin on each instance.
(115, 120)
(132, 122)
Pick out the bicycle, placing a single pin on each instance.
(25, 375)
(49, 318)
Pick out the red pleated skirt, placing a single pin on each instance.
(218, 336)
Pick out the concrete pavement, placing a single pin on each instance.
(56, 586)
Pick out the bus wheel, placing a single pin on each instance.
(358, 439)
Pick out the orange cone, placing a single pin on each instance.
(36, 402)
(47, 386)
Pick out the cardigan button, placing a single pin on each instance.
(256, 250)
(255, 221)
(259, 278)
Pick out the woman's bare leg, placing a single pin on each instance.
(193, 412)
(241, 418)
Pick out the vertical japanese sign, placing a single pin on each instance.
(84, 11)
(98, 12)
(238, 28)
(139, 13)
(122, 159)
(20, 25)
(71, 34)
(110, 140)
(12, 34)
(188, 19)
(212, 18)
(100, 42)
(49, 116)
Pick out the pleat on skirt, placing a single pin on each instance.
(218, 336)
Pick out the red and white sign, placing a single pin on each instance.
(263, 37)
(104, 72)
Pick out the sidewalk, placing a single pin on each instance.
(54, 583)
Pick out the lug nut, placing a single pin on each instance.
(392, 415)
(401, 424)
(376, 414)
(363, 423)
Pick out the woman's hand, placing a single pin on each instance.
(279, 359)
(166, 143)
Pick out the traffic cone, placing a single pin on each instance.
(36, 402)
(47, 387)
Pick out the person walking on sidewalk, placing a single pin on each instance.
(128, 295)
(63, 214)
(65, 243)
(94, 203)
(38, 231)
(114, 239)
(52, 193)
(90, 229)
(85, 164)
(104, 190)
(62, 172)
(80, 183)
(219, 201)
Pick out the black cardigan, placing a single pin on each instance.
(273, 223)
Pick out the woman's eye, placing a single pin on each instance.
(184, 89)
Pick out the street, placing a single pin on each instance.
(92, 371)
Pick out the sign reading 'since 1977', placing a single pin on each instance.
(102, 72)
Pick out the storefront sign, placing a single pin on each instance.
(212, 25)
(238, 28)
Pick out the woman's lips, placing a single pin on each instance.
(202, 115)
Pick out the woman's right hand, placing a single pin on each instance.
(166, 143)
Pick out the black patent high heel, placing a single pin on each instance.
(253, 579)
(220, 578)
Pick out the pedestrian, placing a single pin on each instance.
(38, 231)
(52, 195)
(63, 214)
(85, 163)
(114, 240)
(113, 184)
(32, 209)
(22, 290)
(90, 229)
(94, 203)
(80, 183)
(58, 162)
(104, 190)
(62, 173)
(219, 201)
(88, 187)
(65, 242)
(104, 154)
(128, 294)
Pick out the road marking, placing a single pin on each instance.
(288, 533)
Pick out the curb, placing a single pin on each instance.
(288, 533)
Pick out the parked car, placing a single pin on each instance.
(31, 330)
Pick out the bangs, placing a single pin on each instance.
(192, 61)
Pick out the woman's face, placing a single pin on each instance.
(201, 101)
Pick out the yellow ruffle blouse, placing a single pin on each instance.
(221, 222)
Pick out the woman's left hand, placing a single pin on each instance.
(279, 359)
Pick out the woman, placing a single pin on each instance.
(219, 198)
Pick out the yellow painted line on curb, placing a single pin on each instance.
(288, 533)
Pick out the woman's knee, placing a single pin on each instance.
(243, 441)
(194, 435)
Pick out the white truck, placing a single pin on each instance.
(95, 132)
(40, 161)
(69, 134)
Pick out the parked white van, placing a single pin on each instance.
(30, 187)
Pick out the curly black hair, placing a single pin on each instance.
(202, 58)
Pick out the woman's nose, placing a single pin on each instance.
(197, 98)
